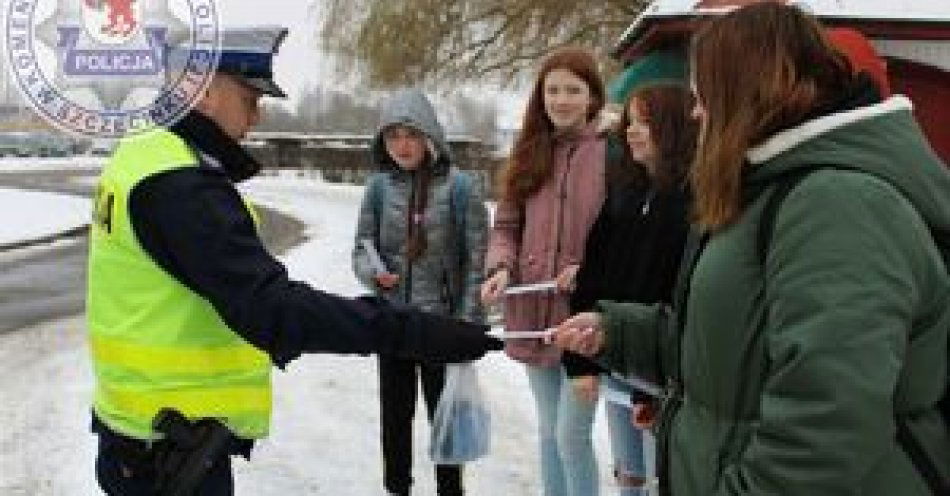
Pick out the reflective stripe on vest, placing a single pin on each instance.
(154, 342)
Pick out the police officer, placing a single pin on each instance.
(187, 310)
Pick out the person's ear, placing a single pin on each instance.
(208, 101)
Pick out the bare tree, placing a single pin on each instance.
(277, 118)
(323, 111)
(396, 42)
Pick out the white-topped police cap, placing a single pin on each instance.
(248, 53)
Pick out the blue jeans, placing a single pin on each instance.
(568, 466)
(626, 441)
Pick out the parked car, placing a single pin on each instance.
(12, 144)
(101, 148)
(52, 144)
(35, 144)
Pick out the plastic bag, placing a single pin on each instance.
(461, 428)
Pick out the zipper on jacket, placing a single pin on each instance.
(446, 293)
(562, 197)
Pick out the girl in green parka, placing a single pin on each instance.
(794, 367)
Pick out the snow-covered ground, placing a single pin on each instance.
(31, 215)
(325, 434)
(43, 164)
(350, 383)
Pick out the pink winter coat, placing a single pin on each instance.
(548, 232)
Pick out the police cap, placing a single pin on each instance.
(248, 54)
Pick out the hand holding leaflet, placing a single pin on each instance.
(374, 259)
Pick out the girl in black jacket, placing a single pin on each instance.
(634, 249)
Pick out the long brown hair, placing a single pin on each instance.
(757, 70)
(531, 158)
(418, 200)
(666, 108)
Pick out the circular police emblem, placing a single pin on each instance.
(108, 68)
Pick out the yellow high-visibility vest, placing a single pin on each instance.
(154, 342)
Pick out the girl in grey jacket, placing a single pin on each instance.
(427, 222)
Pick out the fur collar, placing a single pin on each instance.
(790, 138)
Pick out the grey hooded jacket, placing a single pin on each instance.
(442, 279)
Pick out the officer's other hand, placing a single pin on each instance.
(386, 280)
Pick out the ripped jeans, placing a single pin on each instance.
(630, 455)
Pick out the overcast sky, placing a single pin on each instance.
(300, 63)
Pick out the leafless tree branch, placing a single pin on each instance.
(455, 41)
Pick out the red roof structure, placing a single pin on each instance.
(912, 35)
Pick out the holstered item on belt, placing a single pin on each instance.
(187, 452)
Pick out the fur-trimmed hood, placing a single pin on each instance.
(882, 139)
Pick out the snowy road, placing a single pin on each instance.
(39, 284)
(325, 432)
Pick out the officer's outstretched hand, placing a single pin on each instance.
(434, 338)
(445, 339)
(410, 333)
